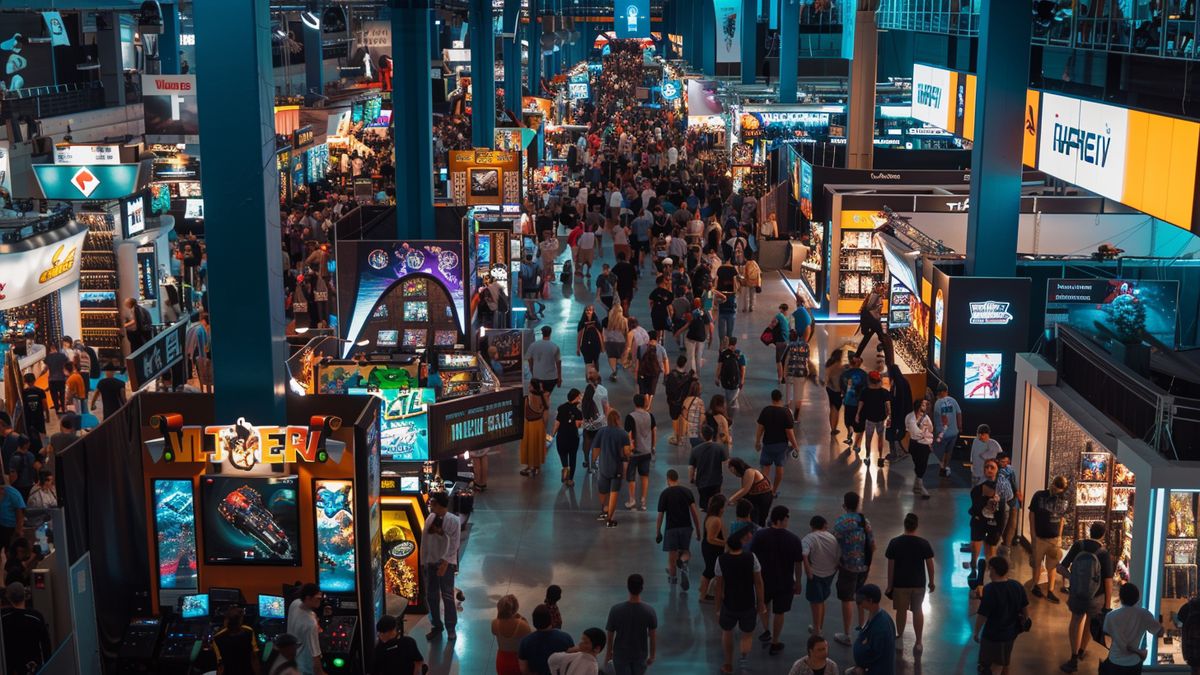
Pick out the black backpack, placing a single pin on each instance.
(649, 365)
(729, 370)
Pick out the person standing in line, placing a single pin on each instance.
(677, 506)
(822, 553)
(857, 544)
(731, 370)
(1002, 615)
(1127, 626)
(875, 644)
(1047, 510)
(632, 628)
(920, 435)
(706, 465)
(1089, 569)
(947, 421)
(643, 431)
(439, 561)
(796, 369)
(594, 408)
(509, 629)
(781, 557)
(739, 600)
(775, 437)
(816, 661)
(713, 542)
(832, 381)
(910, 569)
(302, 623)
(983, 449)
(545, 362)
(395, 653)
(874, 411)
(854, 381)
(615, 449)
(567, 423)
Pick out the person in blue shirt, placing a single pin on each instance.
(875, 646)
(947, 421)
(12, 513)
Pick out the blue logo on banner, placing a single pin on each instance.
(631, 18)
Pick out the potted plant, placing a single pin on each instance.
(1127, 325)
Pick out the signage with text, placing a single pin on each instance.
(474, 422)
(156, 356)
(241, 445)
(303, 136)
(87, 154)
(28, 275)
(171, 112)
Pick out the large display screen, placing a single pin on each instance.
(1083, 142)
(404, 423)
(334, 502)
(175, 533)
(981, 376)
(251, 520)
(1082, 303)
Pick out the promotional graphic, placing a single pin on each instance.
(1084, 143)
(729, 30)
(334, 503)
(28, 275)
(68, 182)
(250, 520)
(981, 376)
(1085, 304)
(171, 111)
(631, 18)
(480, 421)
(175, 533)
(404, 430)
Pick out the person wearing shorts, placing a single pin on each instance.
(739, 594)
(910, 568)
(677, 507)
(781, 557)
(615, 448)
(775, 435)
(643, 432)
(1000, 618)
(821, 555)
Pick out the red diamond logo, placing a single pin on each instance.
(85, 181)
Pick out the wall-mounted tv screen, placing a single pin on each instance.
(445, 338)
(415, 338)
(387, 338)
(251, 520)
(1082, 303)
(334, 503)
(175, 533)
(97, 299)
(981, 376)
(194, 606)
(416, 310)
(271, 608)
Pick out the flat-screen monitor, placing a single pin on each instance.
(387, 338)
(175, 533)
(189, 189)
(404, 424)
(160, 198)
(133, 213)
(97, 299)
(416, 310)
(410, 483)
(445, 338)
(250, 520)
(1082, 303)
(194, 606)
(334, 505)
(194, 209)
(415, 337)
(271, 608)
(981, 376)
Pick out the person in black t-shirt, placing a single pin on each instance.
(566, 434)
(1046, 511)
(110, 391)
(781, 557)
(26, 636)
(33, 401)
(395, 654)
(1084, 609)
(1001, 617)
(874, 409)
(235, 645)
(660, 306)
(677, 506)
(775, 435)
(626, 276)
(910, 567)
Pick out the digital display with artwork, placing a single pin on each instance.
(194, 606)
(1122, 498)
(1082, 303)
(416, 310)
(175, 533)
(415, 338)
(445, 338)
(937, 353)
(271, 608)
(484, 182)
(381, 312)
(483, 248)
(981, 375)
(1181, 515)
(404, 423)
(1091, 494)
(97, 300)
(387, 338)
(414, 288)
(457, 361)
(401, 565)
(334, 503)
(160, 199)
(250, 520)
(1094, 466)
(1122, 475)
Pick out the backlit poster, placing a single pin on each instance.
(729, 30)
(175, 533)
(932, 96)
(631, 18)
(981, 376)
(401, 564)
(172, 114)
(404, 423)
(334, 504)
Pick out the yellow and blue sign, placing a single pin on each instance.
(631, 18)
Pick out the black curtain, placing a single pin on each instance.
(100, 486)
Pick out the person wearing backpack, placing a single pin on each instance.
(650, 367)
(1088, 567)
(1127, 626)
(676, 384)
(731, 370)
(1188, 620)
(606, 285)
(530, 279)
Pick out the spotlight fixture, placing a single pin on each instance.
(310, 20)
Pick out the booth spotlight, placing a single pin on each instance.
(310, 20)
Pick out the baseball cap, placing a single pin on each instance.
(286, 640)
(668, 261)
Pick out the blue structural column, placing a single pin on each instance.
(236, 97)
(789, 48)
(691, 42)
(749, 19)
(708, 37)
(483, 73)
(314, 64)
(414, 139)
(512, 57)
(535, 48)
(168, 42)
(1003, 78)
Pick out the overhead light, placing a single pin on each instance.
(280, 34)
(362, 343)
(310, 20)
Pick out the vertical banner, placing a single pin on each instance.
(729, 30)
(631, 18)
(56, 30)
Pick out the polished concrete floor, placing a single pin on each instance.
(527, 533)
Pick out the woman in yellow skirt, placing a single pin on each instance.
(533, 441)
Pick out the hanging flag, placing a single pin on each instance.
(56, 29)
(631, 18)
(729, 30)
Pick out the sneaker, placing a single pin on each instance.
(603, 516)
(891, 457)
(776, 647)
(684, 582)
(842, 638)
(1052, 597)
(630, 504)
(765, 636)
(642, 506)
(674, 440)
(1037, 592)
(611, 523)
(743, 663)
(1070, 666)
(945, 471)
(916, 488)
(433, 633)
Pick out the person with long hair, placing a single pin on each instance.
(693, 414)
(832, 379)
(616, 330)
(567, 423)
(920, 437)
(755, 488)
(718, 417)
(589, 341)
(509, 627)
(533, 440)
(713, 542)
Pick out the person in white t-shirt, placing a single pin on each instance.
(302, 623)
(580, 659)
(822, 553)
(1127, 626)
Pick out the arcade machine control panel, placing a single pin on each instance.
(339, 625)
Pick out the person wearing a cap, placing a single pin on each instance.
(283, 659)
(1047, 510)
(875, 646)
(983, 448)
(26, 636)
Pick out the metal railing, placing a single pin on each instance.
(1170, 424)
(947, 17)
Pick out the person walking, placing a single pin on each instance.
(56, 364)
(706, 465)
(615, 449)
(110, 391)
(822, 553)
(751, 281)
(697, 331)
(796, 371)
(660, 306)
(693, 414)
(677, 506)
(853, 382)
(920, 435)
(439, 562)
(740, 597)
(754, 488)
(567, 424)
(1003, 614)
(1127, 626)
(643, 431)
(775, 438)
(533, 440)
(988, 505)
(1088, 567)
(713, 542)
(616, 330)
(731, 370)
(510, 629)
(779, 337)
(589, 341)
(545, 362)
(530, 279)
(983, 449)
(902, 403)
(910, 571)
(594, 408)
(781, 556)
(816, 661)
(832, 381)
(632, 628)
(677, 384)
(874, 411)
(947, 420)
(857, 544)
(650, 366)
(874, 646)
(536, 648)
(1047, 511)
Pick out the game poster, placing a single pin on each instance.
(981, 376)
(335, 535)
(404, 423)
(401, 565)
(175, 529)
(251, 520)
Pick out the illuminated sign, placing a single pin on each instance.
(171, 111)
(480, 421)
(87, 154)
(578, 90)
(671, 90)
(1084, 143)
(68, 182)
(29, 275)
(990, 313)
(931, 95)
(242, 445)
(303, 136)
(632, 18)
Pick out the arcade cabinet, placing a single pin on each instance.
(402, 490)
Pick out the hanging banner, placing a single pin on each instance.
(69, 182)
(631, 18)
(56, 30)
(729, 30)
